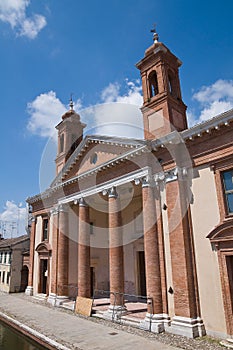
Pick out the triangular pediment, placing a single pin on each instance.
(93, 152)
(222, 232)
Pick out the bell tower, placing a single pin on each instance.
(163, 109)
(70, 134)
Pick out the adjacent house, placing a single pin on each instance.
(13, 268)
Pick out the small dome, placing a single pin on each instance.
(70, 113)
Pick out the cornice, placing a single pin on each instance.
(220, 121)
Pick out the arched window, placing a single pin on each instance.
(153, 84)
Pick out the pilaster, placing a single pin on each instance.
(29, 289)
(187, 320)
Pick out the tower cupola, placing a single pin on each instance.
(163, 109)
(70, 134)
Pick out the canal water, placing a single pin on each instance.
(12, 340)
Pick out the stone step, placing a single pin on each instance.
(228, 343)
(68, 305)
(40, 296)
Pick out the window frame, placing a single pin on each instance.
(45, 237)
(226, 192)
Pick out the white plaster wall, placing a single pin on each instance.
(6, 268)
(205, 216)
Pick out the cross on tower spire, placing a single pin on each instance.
(155, 35)
(71, 102)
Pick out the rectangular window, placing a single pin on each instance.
(5, 256)
(9, 258)
(8, 277)
(0, 276)
(0, 258)
(45, 229)
(228, 189)
(3, 277)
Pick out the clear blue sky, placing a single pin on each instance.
(51, 48)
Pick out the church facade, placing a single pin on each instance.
(150, 217)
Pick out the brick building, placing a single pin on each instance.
(145, 217)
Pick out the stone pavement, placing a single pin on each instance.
(69, 331)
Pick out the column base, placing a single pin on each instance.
(156, 323)
(115, 312)
(60, 299)
(29, 291)
(188, 327)
(52, 299)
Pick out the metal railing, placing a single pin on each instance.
(116, 300)
(116, 311)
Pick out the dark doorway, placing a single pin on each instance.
(229, 262)
(92, 281)
(43, 275)
(141, 274)
(24, 278)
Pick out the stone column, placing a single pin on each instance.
(53, 276)
(62, 257)
(29, 289)
(187, 319)
(154, 320)
(84, 278)
(116, 257)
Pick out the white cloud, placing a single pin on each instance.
(215, 108)
(32, 26)
(213, 100)
(132, 96)
(45, 113)
(14, 12)
(110, 93)
(119, 115)
(221, 89)
(13, 220)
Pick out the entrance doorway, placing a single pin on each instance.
(141, 273)
(43, 275)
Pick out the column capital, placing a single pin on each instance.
(63, 208)
(82, 202)
(112, 193)
(54, 210)
(178, 173)
(34, 219)
(147, 181)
